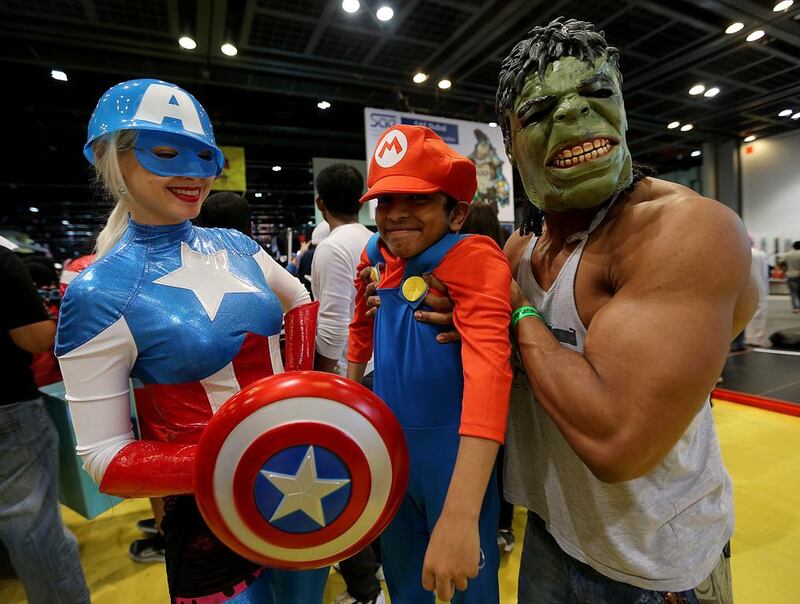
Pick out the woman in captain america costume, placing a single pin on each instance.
(194, 314)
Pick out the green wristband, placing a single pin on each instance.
(521, 312)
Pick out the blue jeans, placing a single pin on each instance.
(44, 553)
(794, 291)
(549, 576)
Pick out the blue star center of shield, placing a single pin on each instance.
(302, 489)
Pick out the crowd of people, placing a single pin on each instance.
(483, 349)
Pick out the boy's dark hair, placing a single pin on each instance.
(796, 245)
(570, 38)
(340, 187)
(228, 211)
(482, 220)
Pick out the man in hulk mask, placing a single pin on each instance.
(638, 287)
(625, 307)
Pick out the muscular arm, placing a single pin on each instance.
(654, 351)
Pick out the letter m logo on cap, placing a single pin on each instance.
(391, 149)
(160, 102)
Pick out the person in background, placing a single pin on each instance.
(306, 257)
(755, 332)
(791, 264)
(337, 243)
(43, 552)
(226, 210)
(43, 272)
(482, 220)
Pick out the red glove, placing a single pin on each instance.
(149, 469)
(301, 330)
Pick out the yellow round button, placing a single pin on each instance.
(414, 288)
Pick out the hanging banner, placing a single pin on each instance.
(233, 177)
(476, 140)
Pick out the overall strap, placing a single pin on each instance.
(373, 251)
(430, 258)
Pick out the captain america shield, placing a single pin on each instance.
(300, 470)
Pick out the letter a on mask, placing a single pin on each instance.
(160, 101)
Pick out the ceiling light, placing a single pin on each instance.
(65, 222)
(492, 124)
(796, 116)
(673, 125)
(445, 84)
(785, 112)
(187, 43)
(350, 6)
(750, 139)
(229, 49)
(686, 127)
(419, 77)
(324, 105)
(58, 75)
(259, 195)
(782, 6)
(734, 27)
(696, 153)
(755, 35)
(34, 210)
(385, 13)
(711, 92)
(276, 168)
(697, 89)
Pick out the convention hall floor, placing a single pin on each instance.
(760, 451)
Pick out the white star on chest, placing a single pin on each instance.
(303, 491)
(207, 276)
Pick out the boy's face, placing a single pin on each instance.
(409, 224)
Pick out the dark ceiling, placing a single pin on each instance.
(294, 53)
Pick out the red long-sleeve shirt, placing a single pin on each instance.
(478, 280)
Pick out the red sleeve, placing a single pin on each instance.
(359, 343)
(478, 277)
(149, 469)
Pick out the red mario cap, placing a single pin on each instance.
(414, 159)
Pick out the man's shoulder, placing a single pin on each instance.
(351, 237)
(668, 209)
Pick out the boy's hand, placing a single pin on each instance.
(453, 555)
(442, 313)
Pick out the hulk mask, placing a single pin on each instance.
(563, 117)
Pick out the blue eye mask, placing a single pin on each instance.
(169, 154)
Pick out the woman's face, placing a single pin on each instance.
(162, 199)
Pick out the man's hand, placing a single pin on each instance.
(442, 313)
(371, 293)
(453, 555)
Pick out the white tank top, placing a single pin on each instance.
(663, 531)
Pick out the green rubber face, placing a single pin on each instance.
(568, 135)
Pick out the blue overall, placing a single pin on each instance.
(422, 381)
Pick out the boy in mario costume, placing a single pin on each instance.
(451, 399)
